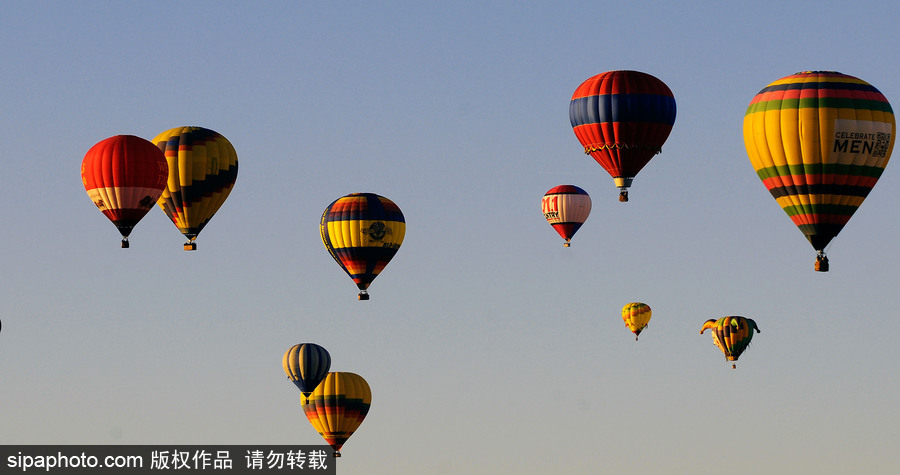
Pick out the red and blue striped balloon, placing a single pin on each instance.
(622, 118)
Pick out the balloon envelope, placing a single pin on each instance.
(337, 407)
(306, 365)
(622, 118)
(203, 167)
(636, 316)
(362, 231)
(819, 141)
(124, 175)
(731, 334)
(566, 208)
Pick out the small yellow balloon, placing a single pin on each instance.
(636, 316)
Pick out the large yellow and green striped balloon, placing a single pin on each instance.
(819, 141)
(731, 334)
(337, 407)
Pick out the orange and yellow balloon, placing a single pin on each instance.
(636, 316)
(203, 167)
(124, 175)
(337, 407)
(731, 334)
(819, 141)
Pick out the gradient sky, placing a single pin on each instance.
(489, 347)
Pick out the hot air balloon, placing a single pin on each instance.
(636, 315)
(203, 167)
(732, 335)
(362, 231)
(306, 365)
(819, 140)
(622, 118)
(566, 207)
(337, 407)
(124, 175)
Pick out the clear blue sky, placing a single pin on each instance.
(488, 346)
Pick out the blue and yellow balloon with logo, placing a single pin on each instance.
(362, 231)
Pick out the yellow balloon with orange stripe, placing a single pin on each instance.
(636, 316)
(337, 407)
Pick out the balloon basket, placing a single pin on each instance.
(821, 264)
(566, 244)
(336, 454)
(190, 246)
(125, 244)
(363, 296)
(623, 196)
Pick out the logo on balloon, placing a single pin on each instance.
(861, 137)
(377, 231)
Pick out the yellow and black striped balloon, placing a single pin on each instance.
(203, 167)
